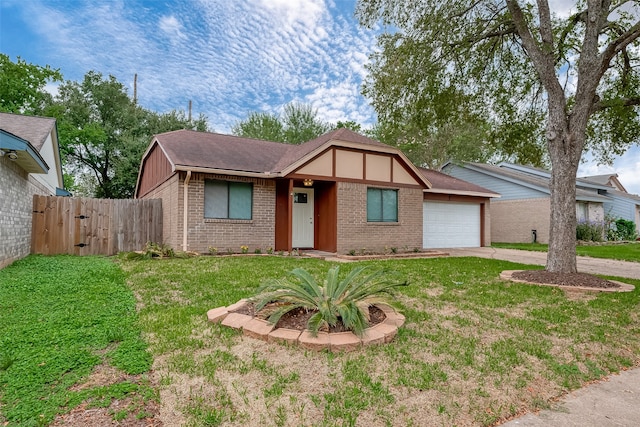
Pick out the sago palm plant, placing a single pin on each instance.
(347, 299)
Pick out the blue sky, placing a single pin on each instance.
(229, 57)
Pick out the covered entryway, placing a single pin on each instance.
(451, 225)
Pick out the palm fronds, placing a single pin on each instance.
(347, 299)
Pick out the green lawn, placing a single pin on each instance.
(474, 349)
(623, 252)
(61, 317)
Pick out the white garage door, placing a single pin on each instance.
(451, 225)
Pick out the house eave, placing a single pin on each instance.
(217, 171)
(27, 157)
(462, 193)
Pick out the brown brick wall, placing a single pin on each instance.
(355, 233)
(169, 192)
(259, 232)
(513, 220)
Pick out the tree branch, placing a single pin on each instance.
(573, 20)
(623, 102)
(546, 32)
(617, 45)
(543, 61)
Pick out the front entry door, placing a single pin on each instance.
(302, 218)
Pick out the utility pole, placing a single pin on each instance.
(189, 110)
(135, 88)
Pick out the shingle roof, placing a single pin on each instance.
(233, 153)
(540, 182)
(217, 151)
(33, 129)
(600, 179)
(447, 183)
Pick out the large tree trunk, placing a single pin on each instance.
(561, 257)
(565, 149)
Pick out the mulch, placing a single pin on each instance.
(564, 279)
(297, 318)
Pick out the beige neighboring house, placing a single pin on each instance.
(29, 165)
(522, 214)
(339, 192)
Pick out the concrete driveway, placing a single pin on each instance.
(607, 267)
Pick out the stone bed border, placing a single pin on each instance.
(624, 287)
(253, 327)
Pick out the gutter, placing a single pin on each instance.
(185, 211)
(462, 193)
(227, 172)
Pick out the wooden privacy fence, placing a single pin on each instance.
(84, 226)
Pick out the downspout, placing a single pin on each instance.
(185, 211)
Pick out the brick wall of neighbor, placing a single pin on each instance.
(513, 220)
(354, 232)
(168, 191)
(16, 205)
(259, 232)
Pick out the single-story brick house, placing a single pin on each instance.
(339, 192)
(523, 212)
(29, 165)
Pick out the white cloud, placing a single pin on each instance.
(172, 28)
(230, 58)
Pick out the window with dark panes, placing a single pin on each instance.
(227, 199)
(382, 205)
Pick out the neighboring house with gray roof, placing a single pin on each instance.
(522, 213)
(339, 192)
(29, 165)
(619, 203)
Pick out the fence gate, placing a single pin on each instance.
(84, 226)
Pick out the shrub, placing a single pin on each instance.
(334, 300)
(590, 231)
(153, 250)
(625, 230)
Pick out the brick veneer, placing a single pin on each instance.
(168, 191)
(513, 220)
(259, 232)
(354, 232)
(17, 189)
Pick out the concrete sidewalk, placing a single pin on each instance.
(607, 267)
(615, 401)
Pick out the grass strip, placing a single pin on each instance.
(619, 251)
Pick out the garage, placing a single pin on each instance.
(451, 225)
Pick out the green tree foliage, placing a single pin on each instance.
(298, 123)
(22, 86)
(265, 126)
(532, 83)
(103, 133)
